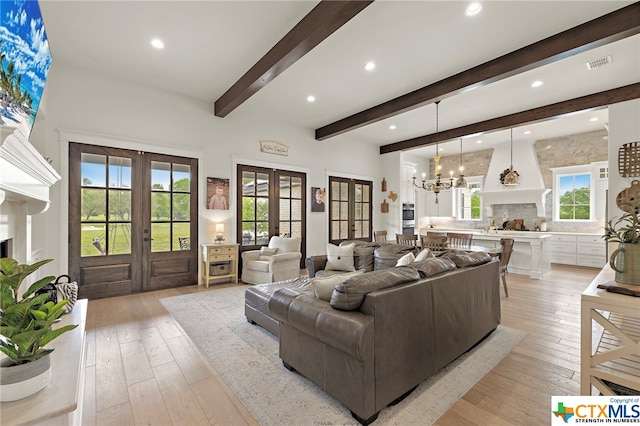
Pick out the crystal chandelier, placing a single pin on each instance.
(512, 178)
(438, 184)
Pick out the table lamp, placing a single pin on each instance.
(219, 233)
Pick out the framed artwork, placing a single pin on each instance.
(317, 199)
(217, 193)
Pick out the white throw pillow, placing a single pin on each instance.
(407, 259)
(340, 258)
(424, 254)
(266, 253)
(323, 286)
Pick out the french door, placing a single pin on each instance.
(350, 209)
(271, 202)
(132, 220)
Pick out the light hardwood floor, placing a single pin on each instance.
(142, 369)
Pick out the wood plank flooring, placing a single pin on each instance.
(142, 369)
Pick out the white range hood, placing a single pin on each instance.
(531, 189)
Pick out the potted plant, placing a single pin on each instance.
(625, 260)
(26, 327)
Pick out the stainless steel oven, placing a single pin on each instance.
(408, 218)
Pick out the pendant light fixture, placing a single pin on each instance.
(437, 185)
(512, 178)
(461, 182)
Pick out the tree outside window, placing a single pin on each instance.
(574, 197)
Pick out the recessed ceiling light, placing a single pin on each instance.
(473, 9)
(537, 83)
(479, 141)
(157, 43)
(311, 98)
(593, 119)
(392, 127)
(370, 66)
(527, 132)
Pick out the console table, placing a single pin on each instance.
(60, 402)
(221, 254)
(610, 349)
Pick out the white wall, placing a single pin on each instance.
(90, 108)
(624, 127)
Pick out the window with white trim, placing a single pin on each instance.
(573, 193)
(469, 200)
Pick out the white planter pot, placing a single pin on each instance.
(21, 381)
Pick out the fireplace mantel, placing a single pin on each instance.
(25, 175)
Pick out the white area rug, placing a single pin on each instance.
(246, 356)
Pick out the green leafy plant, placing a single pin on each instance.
(625, 229)
(26, 323)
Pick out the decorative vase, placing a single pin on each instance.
(625, 261)
(23, 380)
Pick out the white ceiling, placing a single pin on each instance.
(211, 44)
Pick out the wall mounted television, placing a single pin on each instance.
(26, 60)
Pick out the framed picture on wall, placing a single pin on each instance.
(217, 193)
(317, 199)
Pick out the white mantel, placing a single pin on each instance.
(25, 180)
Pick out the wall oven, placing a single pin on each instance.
(408, 218)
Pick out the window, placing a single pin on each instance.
(469, 206)
(573, 194)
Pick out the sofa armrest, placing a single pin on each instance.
(350, 332)
(250, 255)
(315, 264)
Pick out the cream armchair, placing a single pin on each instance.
(279, 261)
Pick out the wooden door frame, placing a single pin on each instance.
(351, 219)
(140, 250)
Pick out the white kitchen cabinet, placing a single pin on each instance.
(407, 190)
(562, 249)
(443, 208)
(580, 250)
(591, 251)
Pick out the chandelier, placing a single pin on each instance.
(512, 178)
(438, 184)
(461, 182)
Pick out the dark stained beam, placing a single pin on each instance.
(314, 28)
(557, 110)
(606, 29)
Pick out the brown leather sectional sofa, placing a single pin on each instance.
(386, 331)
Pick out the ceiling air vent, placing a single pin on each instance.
(599, 63)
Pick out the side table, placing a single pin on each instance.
(219, 255)
(615, 354)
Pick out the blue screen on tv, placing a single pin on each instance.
(26, 60)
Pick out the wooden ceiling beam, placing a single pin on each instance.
(314, 28)
(557, 110)
(606, 29)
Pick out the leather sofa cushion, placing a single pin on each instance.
(463, 259)
(386, 256)
(434, 266)
(363, 253)
(351, 332)
(348, 296)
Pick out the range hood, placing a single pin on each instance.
(531, 189)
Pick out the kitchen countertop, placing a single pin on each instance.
(534, 234)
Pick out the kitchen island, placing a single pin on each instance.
(530, 254)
